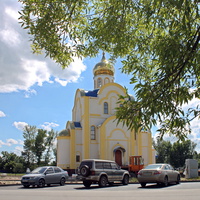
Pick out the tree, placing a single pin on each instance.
(182, 151)
(39, 146)
(157, 41)
(197, 157)
(163, 149)
(29, 135)
(10, 162)
(19, 168)
(49, 142)
(175, 153)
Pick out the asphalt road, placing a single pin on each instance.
(183, 191)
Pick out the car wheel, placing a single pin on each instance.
(85, 170)
(62, 181)
(125, 180)
(165, 183)
(143, 184)
(103, 181)
(178, 179)
(87, 183)
(41, 183)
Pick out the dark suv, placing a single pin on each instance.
(102, 172)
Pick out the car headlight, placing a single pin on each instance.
(33, 177)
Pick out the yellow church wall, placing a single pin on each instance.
(147, 148)
(145, 155)
(102, 143)
(63, 155)
(112, 136)
(114, 86)
(86, 129)
(76, 108)
(94, 109)
(78, 133)
(132, 144)
(111, 99)
(78, 153)
(77, 111)
(106, 96)
(139, 141)
(94, 153)
(113, 104)
(73, 150)
(109, 91)
(119, 137)
(145, 138)
(125, 138)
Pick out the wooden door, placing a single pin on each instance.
(118, 157)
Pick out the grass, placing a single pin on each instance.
(190, 179)
(9, 175)
(133, 180)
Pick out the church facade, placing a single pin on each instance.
(94, 132)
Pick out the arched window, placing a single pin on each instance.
(95, 84)
(106, 80)
(78, 158)
(99, 82)
(105, 108)
(92, 133)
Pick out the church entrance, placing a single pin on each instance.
(118, 157)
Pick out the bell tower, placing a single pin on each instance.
(103, 73)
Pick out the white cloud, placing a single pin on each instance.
(71, 74)
(49, 125)
(193, 103)
(2, 114)
(2, 143)
(21, 142)
(18, 150)
(20, 125)
(20, 69)
(10, 142)
(30, 93)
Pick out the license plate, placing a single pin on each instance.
(147, 173)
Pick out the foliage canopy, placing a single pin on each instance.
(175, 153)
(157, 41)
(38, 145)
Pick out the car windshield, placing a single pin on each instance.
(39, 170)
(153, 167)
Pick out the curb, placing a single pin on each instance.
(79, 182)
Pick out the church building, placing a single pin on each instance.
(93, 131)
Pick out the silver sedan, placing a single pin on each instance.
(158, 173)
(45, 175)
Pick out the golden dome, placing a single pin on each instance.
(103, 67)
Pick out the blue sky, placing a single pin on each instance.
(35, 91)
